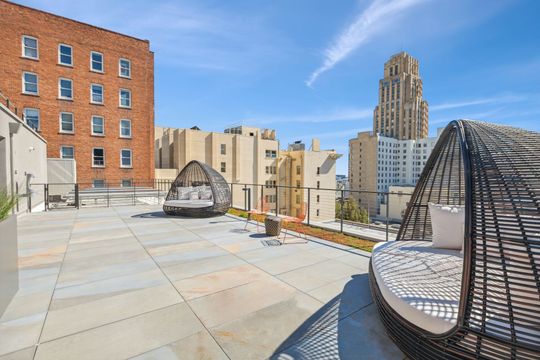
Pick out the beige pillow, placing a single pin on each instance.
(448, 225)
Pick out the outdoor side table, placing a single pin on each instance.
(272, 225)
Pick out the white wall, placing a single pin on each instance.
(29, 158)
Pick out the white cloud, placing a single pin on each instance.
(499, 99)
(345, 114)
(374, 19)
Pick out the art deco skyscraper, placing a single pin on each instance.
(402, 113)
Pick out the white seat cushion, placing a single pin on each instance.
(189, 203)
(448, 225)
(419, 282)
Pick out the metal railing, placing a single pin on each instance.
(359, 213)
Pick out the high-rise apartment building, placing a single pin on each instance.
(397, 149)
(249, 155)
(88, 91)
(401, 113)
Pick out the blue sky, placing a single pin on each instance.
(310, 68)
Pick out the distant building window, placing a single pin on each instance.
(126, 183)
(223, 149)
(223, 167)
(298, 198)
(318, 170)
(65, 88)
(318, 198)
(271, 154)
(65, 55)
(297, 183)
(318, 184)
(98, 157)
(96, 61)
(96, 93)
(125, 98)
(125, 68)
(98, 183)
(30, 47)
(98, 125)
(125, 158)
(270, 169)
(66, 122)
(30, 83)
(67, 152)
(125, 128)
(31, 116)
(298, 169)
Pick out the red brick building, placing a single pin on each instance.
(88, 91)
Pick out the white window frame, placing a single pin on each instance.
(62, 153)
(99, 187)
(72, 123)
(223, 149)
(60, 89)
(92, 94)
(93, 163)
(92, 125)
(39, 117)
(120, 68)
(24, 83)
(130, 131)
(130, 159)
(24, 47)
(120, 98)
(102, 62)
(60, 55)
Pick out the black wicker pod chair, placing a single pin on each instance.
(198, 191)
(482, 302)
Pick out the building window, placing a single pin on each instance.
(298, 198)
(31, 116)
(125, 158)
(65, 55)
(318, 170)
(318, 212)
(271, 154)
(125, 128)
(270, 169)
(67, 152)
(65, 89)
(297, 183)
(124, 66)
(223, 149)
(298, 169)
(318, 184)
(223, 167)
(98, 125)
(30, 83)
(98, 183)
(98, 157)
(30, 47)
(318, 198)
(96, 61)
(126, 183)
(96, 94)
(125, 98)
(66, 123)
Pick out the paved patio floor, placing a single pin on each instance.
(129, 282)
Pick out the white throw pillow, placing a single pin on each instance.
(448, 225)
(194, 195)
(205, 194)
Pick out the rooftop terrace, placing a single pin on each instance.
(129, 282)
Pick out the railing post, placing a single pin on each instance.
(46, 196)
(249, 198)
(341, 213)
(387, 207)
(134, 192)
(232, 197)
(17, 194)
(77, 202)
(262, 198)
(277, 200)
(29, 196)
(309, 204)
(108, 196)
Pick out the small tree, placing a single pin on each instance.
(7, 202)
(351, 211)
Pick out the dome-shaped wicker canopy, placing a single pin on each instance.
(494, 171)
(198, 178)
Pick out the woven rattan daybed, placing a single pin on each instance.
(198, 191)
(484, 301)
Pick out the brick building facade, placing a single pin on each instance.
(88, 91)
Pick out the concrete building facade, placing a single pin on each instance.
(88, 91)
(401, 113)
(249, 155)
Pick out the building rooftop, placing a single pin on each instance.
(127, 282)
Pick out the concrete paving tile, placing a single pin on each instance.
(329, 252)
(202, 266)
(186, 256)
(124, 247)
(168, 238)
(258, 334)
(268, 252)
(100, 259)
(24, 354)
(206, 284)
(20, 333)
(146, 229)
(87, 315)
(179, 248)
(214, 231)
(248, 245)
(313, 276)
(199, 346)
(100, 235)
(231, 304)
(125, 338)
(358, 261)
(290, 262)
(26, 305)
(75, 247)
